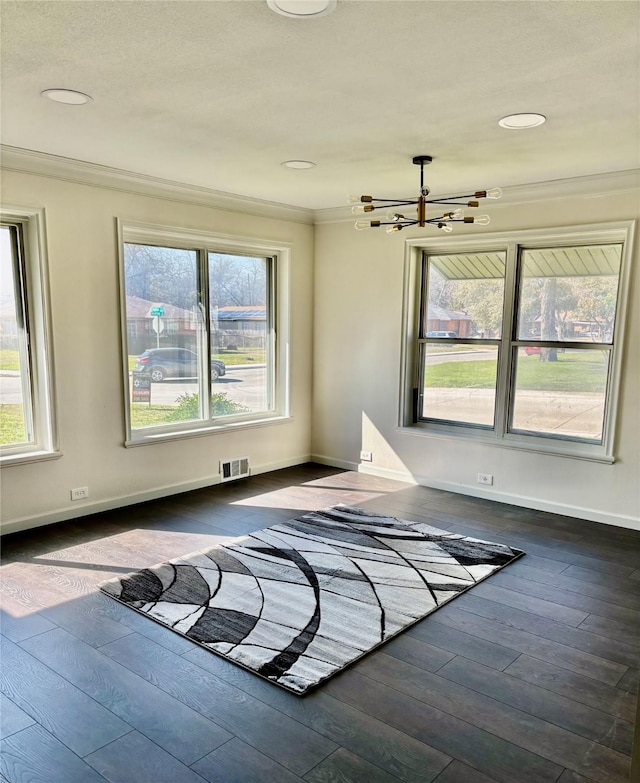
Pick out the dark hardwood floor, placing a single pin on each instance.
(530, 677)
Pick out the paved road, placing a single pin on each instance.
(461, 356)
(245, 386)
(10, 389)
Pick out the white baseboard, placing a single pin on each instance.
(334, 463)
(536, 504)
(73, 512)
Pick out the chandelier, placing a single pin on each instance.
(396, 220)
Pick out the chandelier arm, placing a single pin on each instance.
(444, 200)
(399, 223)
(396, 203)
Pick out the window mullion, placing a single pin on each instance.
(417, 400)
(505, 352)
(205, 334)
(271, 335)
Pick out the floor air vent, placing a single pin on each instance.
(234, 469)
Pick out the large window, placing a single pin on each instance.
(27, 428)
(517, 340)
(202, 333)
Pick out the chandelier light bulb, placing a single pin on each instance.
(455, 215)
(352, 199)
(361, 225)
(360, 209)
(393, 229)
(395, 216)
(482, 220)
(494, 193)
(445, 227)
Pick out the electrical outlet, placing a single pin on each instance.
(79, 493)
(485, 478)
(366, 456)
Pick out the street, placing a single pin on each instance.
(243, 385)
(477, 354)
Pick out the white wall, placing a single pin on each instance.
(346, 311)
(357, 339)
(83, 268)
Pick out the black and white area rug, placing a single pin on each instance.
(299, 601)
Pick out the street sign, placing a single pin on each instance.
(157, 324)
(157, 311)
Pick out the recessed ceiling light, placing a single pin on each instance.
(521, 121)
(298, 164)
(302, 9)
(70, 97)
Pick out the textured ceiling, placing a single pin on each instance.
(218, 93)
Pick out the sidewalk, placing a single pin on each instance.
(577, 415)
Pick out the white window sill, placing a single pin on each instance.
(23, 458)
(548, 446)
(148, 437)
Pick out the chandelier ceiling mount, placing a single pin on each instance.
(396, 220)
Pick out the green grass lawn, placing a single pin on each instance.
(187, 408)
(143, 415)
(9, 359)
(246, 356)
(12, 429)
(573, 372)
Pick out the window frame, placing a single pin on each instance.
(513, 243)
(35, 336)
(279, 255)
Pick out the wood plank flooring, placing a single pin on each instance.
(531, 677)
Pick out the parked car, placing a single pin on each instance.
(442, 334)
(162, 363)
(532, 350)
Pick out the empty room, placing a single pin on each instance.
(319, 391)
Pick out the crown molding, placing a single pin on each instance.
(93, 174)
(591, 186)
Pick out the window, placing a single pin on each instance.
(517, 340)
(27, 430)
(204, 332)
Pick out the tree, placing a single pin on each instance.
(162, 274)
(596, 301)
(170, 276)
(236, 280)
(481, 299)
(548, 318)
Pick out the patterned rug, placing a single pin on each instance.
(299, 601)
